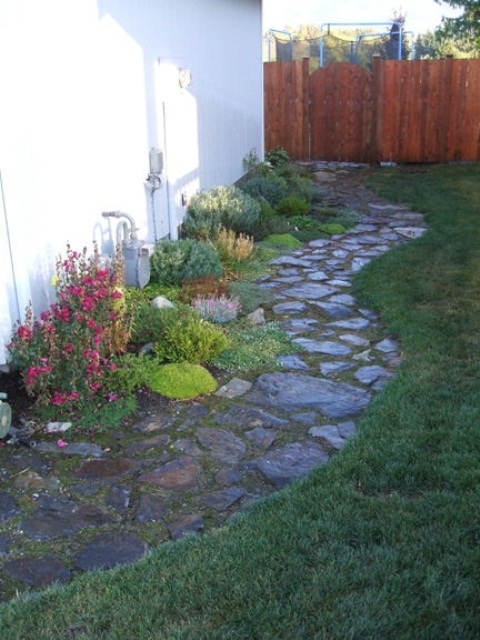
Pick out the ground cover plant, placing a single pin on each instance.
(381, 543)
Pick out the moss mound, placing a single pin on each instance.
(284, 240)
(182, 381)
(332, 228)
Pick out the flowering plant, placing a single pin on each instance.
(66, 356)
(218, 309)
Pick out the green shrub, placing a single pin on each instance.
(227, 207)
(188, 338)
(173, 262)
(293, 206)
(182, 381)
(255, 347)
(269, 222)
(251, 296)
(303, 223)
(283, 240)
(271, 188)
(149, 323)
(277, 157)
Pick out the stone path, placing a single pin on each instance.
(85, 506)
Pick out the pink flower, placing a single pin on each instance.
(112, 397)
(61, 443)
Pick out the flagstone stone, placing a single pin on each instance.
(325, 346)
(186, 525)
(180, 474)
(37, 572)
(223, 445)
(297, 391)
(223, 499)
(9, 507)
(293, 362)
(110, 550)
(291, 462)
(309, 291)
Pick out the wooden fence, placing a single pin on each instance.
(405, 111)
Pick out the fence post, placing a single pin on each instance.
(377, 111)
(307, 115)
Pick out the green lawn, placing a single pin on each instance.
(383, 543)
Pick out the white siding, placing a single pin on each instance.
(88, 87)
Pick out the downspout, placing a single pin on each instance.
(172, 214)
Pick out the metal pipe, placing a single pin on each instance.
(121, 214)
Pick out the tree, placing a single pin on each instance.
(435, 45)
(467, 25)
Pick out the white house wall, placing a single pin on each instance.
(88, 87)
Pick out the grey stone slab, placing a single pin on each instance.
(246, 417)
(223, 445)
(234, 389)
(388, 345)
(154, 424)
(188, 447)
(410, 232)
(119, 498)
(223, 499)
(341, 254)
(55, 517)
(335, 310)
(358, 263)
(186, 525)
(318, 276)
(356, 324)
(291, 261)
(343, 299)
(347, 429)
(327, 368)
(110, 550)
(325, 346)
(155, 442)
(9, 507)
(289, 307)
(330, 434)
(300, 325)
(37, 572)
(336, 282)
(293, 362)
(306, 417)
(289, 280)
(319, 244)
(355, 340)
(151, 507)
(288, 272)
(291, 462)
(5, 541)
(370, 374)
(309, 291)
(298, 391)
(263, 438)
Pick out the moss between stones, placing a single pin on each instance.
(182, 381)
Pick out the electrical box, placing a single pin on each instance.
(137, 263)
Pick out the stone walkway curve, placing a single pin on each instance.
(84, 506)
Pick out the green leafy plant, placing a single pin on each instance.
(227, 207)
(65, 356)
(189, 338)
(174, 262)
(251, 296)
(255, 347)
(293, 206)
(277, 157)
(304, 223)
(182, 381)
(271, 188)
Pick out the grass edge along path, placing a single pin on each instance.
(381, 543)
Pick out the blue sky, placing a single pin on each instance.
(422, 15)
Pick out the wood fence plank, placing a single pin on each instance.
(407, 111)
